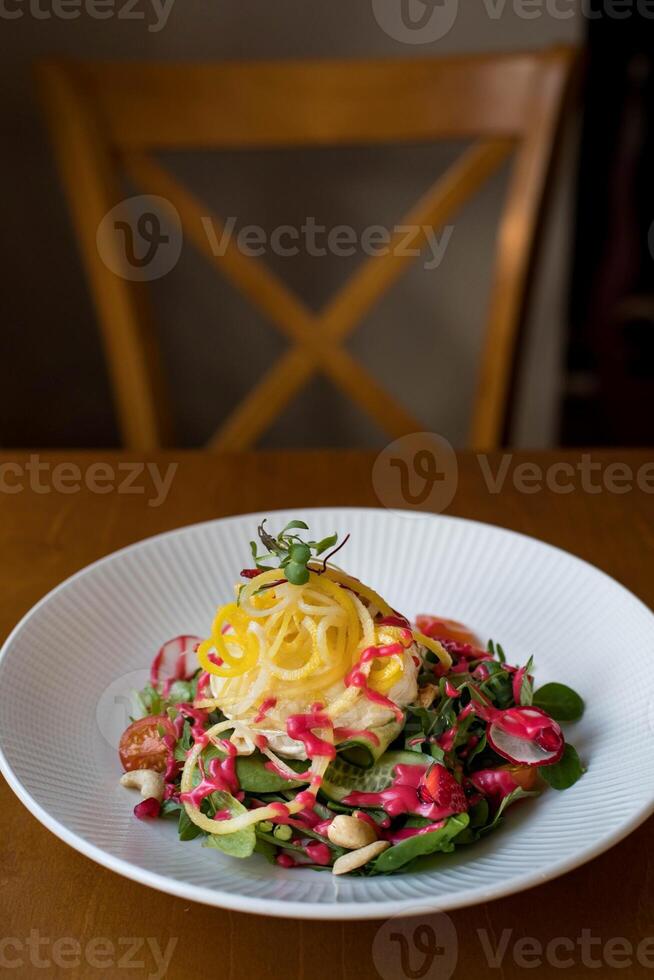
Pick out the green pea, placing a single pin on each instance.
(300, 553)
(283, 832)
(297, 574)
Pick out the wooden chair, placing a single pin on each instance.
(105, 119)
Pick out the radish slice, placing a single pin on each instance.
(175, 661)
(526, 736)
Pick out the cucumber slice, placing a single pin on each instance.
(364, 751)
(342, 778)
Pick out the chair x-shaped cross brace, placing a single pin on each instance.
(318, 338)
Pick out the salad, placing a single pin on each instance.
(323, 729)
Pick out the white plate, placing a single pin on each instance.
(67, 670)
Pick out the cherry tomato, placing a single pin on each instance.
(525, 776)
(446, 629)
(142, 745)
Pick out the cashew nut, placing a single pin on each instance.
(350, 832)
(356, 859)
(150, 783)
(426, 695)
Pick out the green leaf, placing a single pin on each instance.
(181, 691)
(186, 829)
(240, 843)
(150, 700)
(566, 771)
(497, 651)
(559, 701)
(518, 794)
(326, 543)
(292, 524)
(477, 749)
(264, 847)
(407, 850)
(170, 808)
(253, 776)
(527, 688)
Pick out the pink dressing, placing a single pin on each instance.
(407, 832)
(301, 728)
(203, 684)
(198, 717)
(357, 676)
(447, 739)
(279, 811)
(494, 783)
(451, 690)
(264, 708)
(220, 777)
(401, 796)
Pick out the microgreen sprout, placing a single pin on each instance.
(290, 551)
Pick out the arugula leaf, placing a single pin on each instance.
(401, 854)
(496, 650)
(498, 686)
(477, 749)
(559, 701)
(566, 771)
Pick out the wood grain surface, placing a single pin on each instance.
(61, 915)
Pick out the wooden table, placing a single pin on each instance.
(52, 890)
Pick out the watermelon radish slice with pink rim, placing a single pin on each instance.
(175, 661)
(526, 736)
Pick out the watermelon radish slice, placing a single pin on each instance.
(175, 661)
(526, 736)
